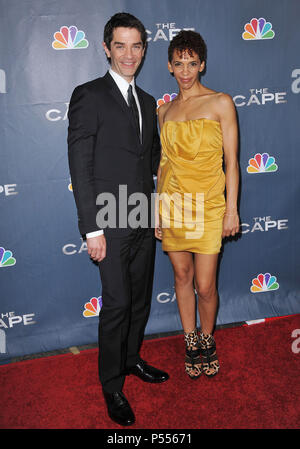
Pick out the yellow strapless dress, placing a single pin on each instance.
(191, 186)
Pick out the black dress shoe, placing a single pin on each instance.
(148, 373)
(118, 408)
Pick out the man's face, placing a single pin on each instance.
(126, 51)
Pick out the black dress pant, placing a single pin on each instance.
(126, 277)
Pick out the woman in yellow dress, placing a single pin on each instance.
(198, 128)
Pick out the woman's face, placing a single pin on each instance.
(185, 68)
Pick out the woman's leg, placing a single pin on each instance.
(183, 266)
(205, 284)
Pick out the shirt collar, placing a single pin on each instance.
(121, 82)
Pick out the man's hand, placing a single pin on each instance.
(96, 247)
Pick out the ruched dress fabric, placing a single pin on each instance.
(191, 186)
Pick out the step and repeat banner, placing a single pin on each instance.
(50, 294)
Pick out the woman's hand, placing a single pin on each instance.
(231, 224)
(158, 233)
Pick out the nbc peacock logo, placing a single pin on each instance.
(264, 283)
(69, 38)
(93, 307)
(262, 163)
(6, 259)
(258, 29)
(165, 99)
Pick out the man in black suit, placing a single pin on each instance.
(113, 142)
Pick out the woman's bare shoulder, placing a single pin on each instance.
(224, 99)
(225, 107)
(162, 110)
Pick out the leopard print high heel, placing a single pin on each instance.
(210, 362)
(192, 355)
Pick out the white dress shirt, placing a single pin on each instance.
(123, 85)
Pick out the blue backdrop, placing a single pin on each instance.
(50, 290)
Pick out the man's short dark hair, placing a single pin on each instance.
(126, 20)
(189, 41)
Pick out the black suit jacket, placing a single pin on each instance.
(104, 149)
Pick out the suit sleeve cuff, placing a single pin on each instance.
(94, 234)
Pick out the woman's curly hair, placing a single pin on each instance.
(189, 41)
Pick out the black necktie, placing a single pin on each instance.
(132, 105)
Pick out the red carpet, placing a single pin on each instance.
(256, 388)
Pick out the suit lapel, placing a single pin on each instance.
(115, 92)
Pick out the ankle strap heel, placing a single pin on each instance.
(192, 355)
(210, 363)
